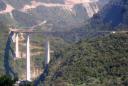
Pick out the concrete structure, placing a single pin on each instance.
(28, 59)
(47, 60)
(17, 45)
(28, 54)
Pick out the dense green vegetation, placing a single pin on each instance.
(99, 62)
(7, 81)
(3, 36)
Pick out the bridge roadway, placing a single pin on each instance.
(34, 31)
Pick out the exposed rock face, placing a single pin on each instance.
(91, 8)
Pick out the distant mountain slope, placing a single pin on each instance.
(18, 4)
(24, 19)
(112, 16)
(63, 15)
(2, 6)
(113, 13)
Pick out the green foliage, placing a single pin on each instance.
(3, 37)
(26, 83)
(7, 81)
(99, 62)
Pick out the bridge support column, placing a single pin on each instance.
(17, 45)
(28, 59)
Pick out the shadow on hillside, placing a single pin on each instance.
(42, 77)
(7, 52)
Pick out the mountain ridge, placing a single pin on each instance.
(62, 16)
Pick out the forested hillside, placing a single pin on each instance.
(3, 37)
(99, 62)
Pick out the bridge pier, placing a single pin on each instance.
(28, 59)
(47, 60)
(17, 45)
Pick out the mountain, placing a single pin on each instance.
(2, 5)
(96, 61)
(111, 17)
(62, 15)
(24, 18)
(114, 11)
